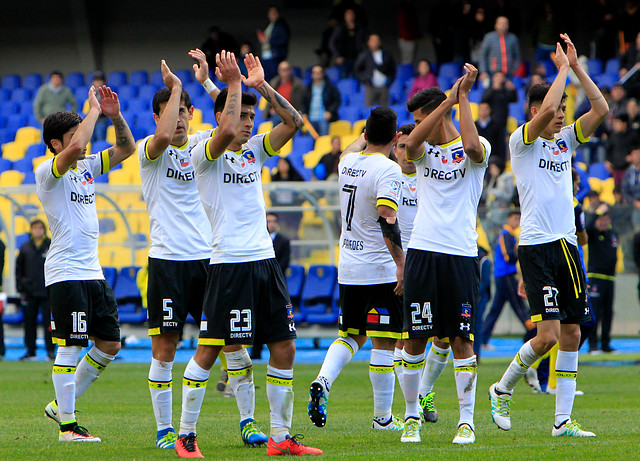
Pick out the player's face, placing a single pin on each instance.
(401, 154)
(558, 120)
(185, 114)
(418, 116)
(247, 114)
(66, 140)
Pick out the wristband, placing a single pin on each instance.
(209, 86)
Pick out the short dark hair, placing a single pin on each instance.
(426, 100)
(58, 73)
(407, 129)
(57, 124)
(163, 95)
(513, 213)
(538, 92)
(38, 221)
(248, 99)
(381, 126)
(622, 117)
(275, 215)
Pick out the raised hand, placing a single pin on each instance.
(201, 70)
(255, 71)
(93, 99)
(169, 77)
(110, 102)
(227, 69)
(468, 79)
(453, 92)
(560, 58)
(572, 53)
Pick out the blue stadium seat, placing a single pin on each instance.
(5, 95)
(80, 94)
(25, 165)
(128, 92)
(204, 103)
(516, 111)
(449, 70)
(99, 146)
(102, 179)
(32, 81)
(329, 317)
(475, 95)
(117, 78)
(21, 95)
(357, 99)
(15, 318)
(140, 105)
(8, 108)
(16, 121)
(3, 121)
(33, 121)
(297, 71)
(303, 144)
(318, 290)
(195, 90)
(131, 313)
(606, 80)
(350, 113)
(401, 110)
(156, 79)
(348, 86)
(599, 170)
(130, 116)
(75, 80)
(594, 66)
(612, 66)
(26, 107)
(36, 150)
(110, 275)
(139, 78)
(147, 92)
(141, 132)
(185, 75)
(11, 82)
(29, 177)
(6, 136)
(295, 280)
(271, 162)
(21, 239)
(5, 165)
(333, 73)
(404, 72)
(126, 289)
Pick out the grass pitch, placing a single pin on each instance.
(118, 409)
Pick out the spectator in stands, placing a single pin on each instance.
(287, 197)
(245, 49)
(30, 285)
(324, 50)
(489, 129)
(100, 130)
(290, 88)
(327, 167)
(53, 96)
(593, 202)
(2, 347)
(618, 148)
(617, 105)
(216, 42)
(631, 57)
(347, 41)
(633, 112)
(498, 193)
(499, 96)
(321, 101)
(275, 42)
(408, 30)
(376, 70)
(631, 185)
(424, 79)
(545, 33)
(500, 52)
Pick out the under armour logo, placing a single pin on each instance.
(292, 327)
(586, 311)
(231, 159)
(465, 327)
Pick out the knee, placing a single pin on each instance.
(282, 354)
(546, 340)
(110, 347)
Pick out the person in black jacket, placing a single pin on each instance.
(30, 284)
(321, 101)
(603, 256)
(376, 70)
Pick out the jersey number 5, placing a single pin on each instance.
(351, 204)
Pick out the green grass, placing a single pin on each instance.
(118, 409)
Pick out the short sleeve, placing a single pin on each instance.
(260, 146)
(486, 145)
(98, 164)
(199, 156)
(205, 134)
(389, 187)
(572, 135)
(519, 144)
(420, 159)
(143, 153)
(46, 179)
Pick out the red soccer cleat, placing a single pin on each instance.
(187, 446)
(290, 446)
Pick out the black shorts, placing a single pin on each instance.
(372, 310)
(245, 303)
(175, 289)
(83, 310)
(554, 282)
(440, 295)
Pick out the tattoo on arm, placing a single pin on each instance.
(123, 133)
(230, 105)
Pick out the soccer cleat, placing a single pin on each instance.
(187, 446)
(51, 411)
(465, 435)
(166, 438)
(500, 404)
(531, 378)
(290, 446)
(411, 431)
(393, 424)
(318, 398)
(222, 382)
(78, 434)
(570, 428)
(429, 412)
(251, 434)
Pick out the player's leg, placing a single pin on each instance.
(397, 362)
(465, 368)
(46, 325)
(435, 363)
(413, 363)
(383, 383)
(163, 349)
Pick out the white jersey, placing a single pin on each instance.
(231, 192)
(180, 230)
(366, 181)
(408, 207)
(542, 169)
(69, 201)
(449, 189)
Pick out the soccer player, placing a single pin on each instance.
(246, 298)
(370, 270)
(442, 273)
(552, 276)
(82, 303)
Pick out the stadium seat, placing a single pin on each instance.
(404, 73)
(26, 108)
(24, 165)
(11, 178)
(348, 86)
(5, 165)
(147, 92)
(117, 78)
(110, 275)
(358, 127)
(28, 135)
(594, 67)
(318, 289)
(21, 95)
(185, 76)
(303, 144)
(397, 93)
(75, 80)
(333, 73)
(8, 108)
(606, 79)
(13, 151)
(140, 105)
(340, 128)
(599, 170)
(612, 66)
(349, 113)
(16, 121)
(295, 281)
(126, 289)
(357, 100)
(32, 81)
(156, 79)
(331, 316)
(449, 70)
(127, 92)
(11, 82)
(139, 78)
(195, 90)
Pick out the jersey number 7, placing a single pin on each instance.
(351, 204)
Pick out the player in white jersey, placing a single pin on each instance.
(246, 298)
(82, 303)
(370, 270)
(552, 277)
(442, 273)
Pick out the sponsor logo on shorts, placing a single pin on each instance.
(240, 335)
(77, 336)
(466, 311)
(552, 310)
(289, 311)
(380, 316)
(465, 327)
(169, 324)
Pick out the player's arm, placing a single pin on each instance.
(392, 238)
(356, 146)
(201, 71)
(76, 147)
(468, 131)
(599, 107)
(291, 119)
(166, 125)
(227, 71)
(125, 144)
(551, 101)
(415, 141)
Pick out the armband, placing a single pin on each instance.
(390, 231)
(209, 86)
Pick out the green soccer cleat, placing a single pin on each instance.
(464, 435)
(51, 411)
(500, 405)
(393, 424)
(429, 411)
(166, 438)
(251, 434)
(570, 428)
(411, 431)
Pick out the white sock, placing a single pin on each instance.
(240, 372)
(338, 356)
(525, 357)
(64, 384)
(280, 395)
(566, 374)
(435, 364)
(383, 382)
(413, 365)
(465, 372)
(160, 387)
(397, 367)
(194, 386)
(89, 369)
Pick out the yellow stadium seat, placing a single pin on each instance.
(266, 175)
(606, 193)
(346, 140)
(323, 144)
(512, 125)
(197, 117)
(286, 149)
(85, 105)
(11, 178)
(312, 158)
(340, 128)
(132, 163)
(38, 160)
(28, 135)
(111, 135)
(595, 184)
(115, 256)
(265, 127)
(120, 176)
(262, 104)
(13, 151)
(581, 165)
(358, 126)
(474, 111)
(142, 257)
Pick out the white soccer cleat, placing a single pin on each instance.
(79, 434)
(531, 378)
(570, 428)
(411, 431)
(500, 404)
(394, 424)
(51, 411)
(465, 435)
